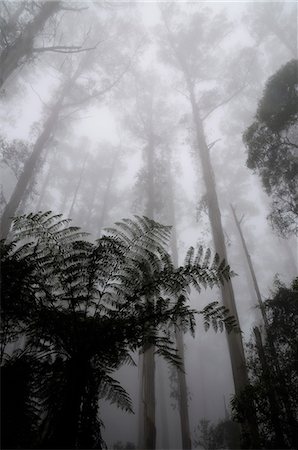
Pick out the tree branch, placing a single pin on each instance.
(63, 49)
(224, 101)
(96, 94)
(213, 143)
(69, 8)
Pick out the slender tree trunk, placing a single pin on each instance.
(12, 56)
(46, 182)
(182, 386)
(251, 269)
(161, 391)
(147, 400)
(75, 195)
(107, 193)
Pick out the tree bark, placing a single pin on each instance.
(12, 56)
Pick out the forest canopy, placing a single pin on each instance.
(180, 117)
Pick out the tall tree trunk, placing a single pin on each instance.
(161, 391)
(234, 340)
(251, 269)
(235, 343)
(32, 162)
(147, 401)
(11, 56)
(182, 386)
(29, 168)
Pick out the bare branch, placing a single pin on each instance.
(63, 49)
(213, 143)
(182, 93)
(36, 93)
(69, 8)
(97, 94)
(224, 101)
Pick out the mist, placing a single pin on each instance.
(148, 224)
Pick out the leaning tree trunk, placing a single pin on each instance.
(251, 269)
(33, 160)
(275, 366)
(12, 56)
(29, 169)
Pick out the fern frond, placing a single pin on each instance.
(111, 390)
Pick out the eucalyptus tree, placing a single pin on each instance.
(147, 127)
(195, 67)
(152, 122)
(84, 79)
(190, 44)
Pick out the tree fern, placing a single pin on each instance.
(84, 308)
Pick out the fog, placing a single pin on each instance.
(113, 110)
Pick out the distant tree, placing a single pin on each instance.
(23, 33)
(272, 143)
(83, 308)
(225, 434)
(184, 51)
(273, 364)
(84, 80)
(128, 446)
(273, 22)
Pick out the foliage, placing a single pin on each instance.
(225, 434)
(273, 373)
(84, 306)
(272, 146)
(119, 445)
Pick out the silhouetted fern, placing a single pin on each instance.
(83, 308)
